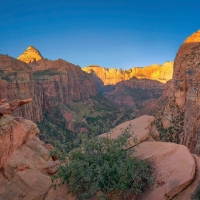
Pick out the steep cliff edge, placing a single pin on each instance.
(17, 81)
(63, 82)
(180, 117)
(186, 87)
(111, 76)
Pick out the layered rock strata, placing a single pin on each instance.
(161, 73)
(63, 82)
(186, 85)
(17, 82)
(49, 83)
(183, 105)
(134, 92)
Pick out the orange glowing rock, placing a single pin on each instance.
(30, 55)
(195, 37)
(111, 76)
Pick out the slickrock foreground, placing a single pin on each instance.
(173, 166)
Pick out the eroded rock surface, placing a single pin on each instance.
(24, 160)
(173, 166)
(186, 194)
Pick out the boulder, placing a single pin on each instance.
(186, 194)
(173, 168)
(141, 128)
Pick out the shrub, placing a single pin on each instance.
(102, 167)
(196, 195)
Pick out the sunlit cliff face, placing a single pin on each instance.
(30, 55)
(161, 73)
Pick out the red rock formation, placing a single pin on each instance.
(51, 83)
(174, 168)
(8, 108)
(16, 82)
(63, 82)
(186, 85)
(24, 161)
(134, 92)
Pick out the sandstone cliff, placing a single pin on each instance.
(65, 98)
(161, 73)
(48, 82)
(17, 81)
(180, 115)
(63, 82)
(186, 87)
(31, 54)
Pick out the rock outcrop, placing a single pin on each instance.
(174, 168)
(30, 55)
(111, 76)
(8, 108)
(186, 194)
(141, 128)
(24, 160)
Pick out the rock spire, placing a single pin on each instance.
(31, 54)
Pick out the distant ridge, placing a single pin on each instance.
(111, 76)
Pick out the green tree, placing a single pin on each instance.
(101, 167)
